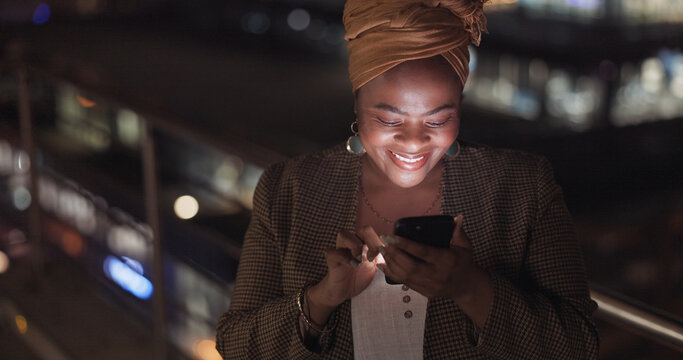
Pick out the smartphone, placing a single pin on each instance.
(433, 230)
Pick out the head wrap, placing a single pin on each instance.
(384, 33)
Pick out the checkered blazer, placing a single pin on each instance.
(521, 233)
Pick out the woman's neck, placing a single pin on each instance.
(375, 180)
(381, 202)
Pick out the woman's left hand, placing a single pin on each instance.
(433, 271)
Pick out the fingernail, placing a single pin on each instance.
(354, 263)
(388, 239)
(382, 250)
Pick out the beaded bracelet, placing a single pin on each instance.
(300, 299)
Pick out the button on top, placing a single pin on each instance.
(405, 287)
(408, 314)
(406, 299)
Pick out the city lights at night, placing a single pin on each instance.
(42, 14)
(299, 19)
(4, 262)
(138, 139)
(128, 275)
(186, 207)
(22, 324)
(206, 350)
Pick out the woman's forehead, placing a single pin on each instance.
(416, 84)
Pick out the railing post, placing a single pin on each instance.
(151, 183)
(28, 144)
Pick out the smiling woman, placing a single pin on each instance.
(512, 283)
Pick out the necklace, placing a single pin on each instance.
(372, 208)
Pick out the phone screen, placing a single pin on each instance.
(433, 230)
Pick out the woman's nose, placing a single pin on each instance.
(413, 138)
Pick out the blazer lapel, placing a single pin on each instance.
(348, 191)
(342, 188)
(459, 197)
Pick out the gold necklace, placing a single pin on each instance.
(372, 208)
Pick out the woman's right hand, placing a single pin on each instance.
(344, 281)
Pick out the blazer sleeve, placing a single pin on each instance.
(546, 314)
(262, 321)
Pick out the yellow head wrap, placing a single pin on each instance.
(384, 33)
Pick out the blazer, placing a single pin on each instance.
(521, 233)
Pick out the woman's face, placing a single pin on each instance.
(408, 117)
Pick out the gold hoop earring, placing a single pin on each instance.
(353, 143)
(454, 149)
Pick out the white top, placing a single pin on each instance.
(388, 321)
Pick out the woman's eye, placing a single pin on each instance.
(437, 123)
(388, 123)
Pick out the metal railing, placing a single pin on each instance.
(638, 318)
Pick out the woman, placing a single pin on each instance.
(512, 285)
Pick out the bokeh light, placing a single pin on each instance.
(653, 74)
(127, 241)
(22, 162)
(72, 243)
(255, 22)
(42, 14)
(85, 102)
(227, 175)
(129, 127)
(21, 198)
(22, 324)
(206, 350)
(128, 276)
(584, 4)
(4, 262)
(299, 19)
(186, 207)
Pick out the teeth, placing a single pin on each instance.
(404, 159)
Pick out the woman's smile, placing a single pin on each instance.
(408, 162)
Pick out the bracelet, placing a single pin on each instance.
(300, 299)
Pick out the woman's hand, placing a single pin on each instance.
(433, 271)
(346, 276)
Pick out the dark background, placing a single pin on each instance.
(228, 87)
